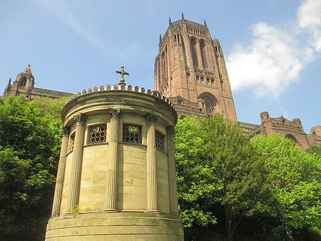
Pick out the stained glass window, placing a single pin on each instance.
(132, 134)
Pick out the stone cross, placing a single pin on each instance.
(122, 72)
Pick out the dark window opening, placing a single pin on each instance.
(159, 141)
(132, 134)
(71, 142)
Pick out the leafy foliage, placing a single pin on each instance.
(29, 147)
(217, 169)
(295, 179)
(264, 188)
(266, 185)
(316, 149)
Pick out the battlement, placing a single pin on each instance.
(316, 130)
(281, 122)
(188, 26)
(124, 88)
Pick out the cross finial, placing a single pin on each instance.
(28, 69)
(122, 72)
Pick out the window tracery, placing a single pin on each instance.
(96, 134)
(207, 102)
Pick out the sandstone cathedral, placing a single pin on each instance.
(190, 71)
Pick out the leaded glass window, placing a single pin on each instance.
(159, 141)
(96, 134)
(132, 134)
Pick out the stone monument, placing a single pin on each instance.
(116, 178)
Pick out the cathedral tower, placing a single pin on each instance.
(190, 70)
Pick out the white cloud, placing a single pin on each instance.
(309, 19)
(276, 55)
(268, 65)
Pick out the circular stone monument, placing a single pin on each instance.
(116, 177)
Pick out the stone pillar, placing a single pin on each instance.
(171, 170)
(209, 50)
(112, 170)
(151, 166)
(76, 164)
(60, 174)
(199, 54)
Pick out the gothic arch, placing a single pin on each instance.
(291, 137)
(207, 102)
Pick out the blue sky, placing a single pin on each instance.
(272, 47)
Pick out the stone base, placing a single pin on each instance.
(117, 226)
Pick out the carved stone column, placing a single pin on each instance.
(171, 169)
(76, 164)
(151, 166)
(60, 174)
(112, 170)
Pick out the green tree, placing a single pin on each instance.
(218, 170)
(316, 149)
(294, 177)
(29, 146)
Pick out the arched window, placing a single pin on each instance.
(207, 102)
(164, 68)
(193, 52)
(203, 53)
